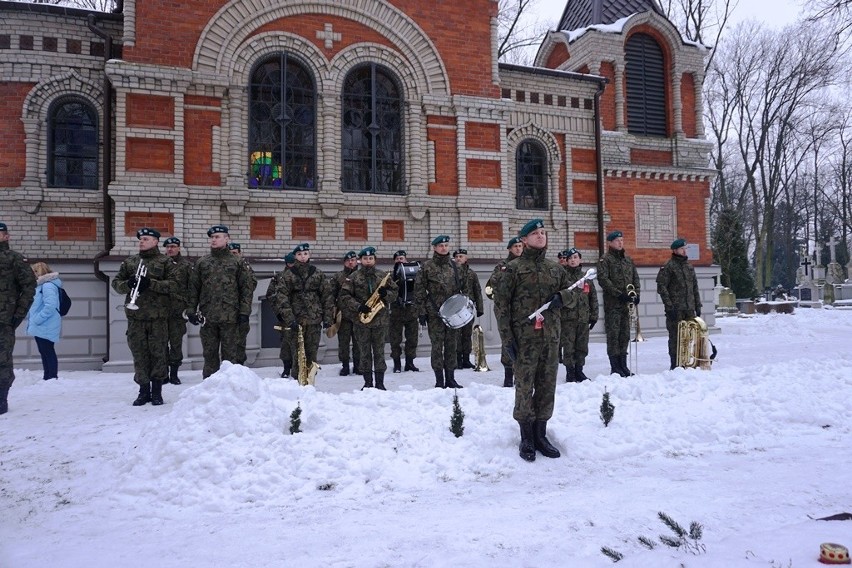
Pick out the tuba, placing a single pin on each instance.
(374, 302)
(307, 374)
(481, 364)
(694, 349)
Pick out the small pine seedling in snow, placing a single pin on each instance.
(607, 409)
(457, 420)
(296, 419)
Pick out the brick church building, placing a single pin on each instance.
(340, 123)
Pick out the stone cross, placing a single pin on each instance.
(831, 244)
(329, 35)
(806, 263)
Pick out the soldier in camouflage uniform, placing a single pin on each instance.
(529, 282)
(220, 289)
(271, 292)
(178, 300)
(304, 299)
(577, 323)
(677, 286)
(515, 248)
(148, 326)
(243, 326)
(471, 289)
(344, 332)
(17, 290)
(437, 281)
(403, 314)
(370, 337)
(616, 272)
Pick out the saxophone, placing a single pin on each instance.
(481, 364)
(307, 374)
(374, 302)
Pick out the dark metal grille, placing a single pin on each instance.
(531, 164)
(372, 132)
(73, 145)
(282, 124)
(646, 86)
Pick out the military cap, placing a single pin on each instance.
(530, 227)
(217, 229)
(459, 251)
(234, 246)
(440, 239)
(289, 258)
(614, 235)
(148, 232)
(171, 241)
(572, 251)
(367, 251)
(350, 254)
(400, 252)
(3, 227)
(563, 254)
(513, 241)
(301, 247)
(678, 243)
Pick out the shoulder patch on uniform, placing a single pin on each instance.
(503, 268)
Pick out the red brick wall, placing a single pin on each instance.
(644, 157)
(262, 228)
(446, 153)
(557, 57)
(355, 229)
(483, 173)
(687, 100)
(72, 229)
(584, 160)
(585, 191)
(481, 136)
(393, 231)
(198, 147)
(135, 220)
(303, 228)
(608, 97)
(13, 163)
(586, 240)
(150, 111)
(485, 231)
(150, 155)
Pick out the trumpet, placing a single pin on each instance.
(479, 349)
(633, 315)
(374, 302)
(141, 271)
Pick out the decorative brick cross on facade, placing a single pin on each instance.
(655, 221)
(329, 35)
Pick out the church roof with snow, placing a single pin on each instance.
(585, 13)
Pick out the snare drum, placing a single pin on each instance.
(457, 311)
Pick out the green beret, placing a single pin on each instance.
(234, 246)
(148, 232)
(289, 258)
(367, 251)
(513, 241)
(613, 235)
(301, 247)
(571, 252)
(563, 254)
(677, 243)
(171, 241)
(530, 227)
(350, 254)
(459, 251)
(217, 229)
(400, 252)
(440, 239)
(3, 227)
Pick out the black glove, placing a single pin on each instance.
(294, 325)
(16, 322)
(698, 312)
(592, 324)
(422, 320)
(512, 350)
(364, 309)
(624, 297)
(383, 292)
(193, 318)
(556, 301)
(131, 282)
(280, 318)
(479, 314)
(144, 283)
(243, 318)
(324, 325)
(636, 299)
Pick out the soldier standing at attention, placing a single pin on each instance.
(220, 289)
(437, 281)
(677, 286)
(471, 289)
(305, 300)
(243, 326)
(515, 248)
(271, 292)
(616, 272)
(17, 290)
(576, 324)
(529, 282)
(178, 303)
(148, 325)
(370, 337)
(403, 313)
(344, 332)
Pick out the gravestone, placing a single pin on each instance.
(727, 303)
(834, 272)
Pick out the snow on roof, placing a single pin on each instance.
(614, 28)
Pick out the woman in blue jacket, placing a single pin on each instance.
(45, 323)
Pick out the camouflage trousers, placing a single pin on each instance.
(505, 360)
(218, 338)
(535, 378)
(403, 321)
(465, 342)
(285, 353)
(672, 328)
(617, 326)
(242, 337)
(346, 342)
(311, 334)
(444, 341)
(177, 329)
(149, 344)
(574, 342)
(7, 346)
(370, 341)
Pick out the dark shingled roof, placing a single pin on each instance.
(585, 13)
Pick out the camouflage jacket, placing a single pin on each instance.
(587, 301)
(615, 271)
(494, 279)
(677, 286)
(252, 278)
(358, 288)
(155, 302)
(220, 287)
(336, 284)
(180, 298)
(471, 287)
(305, 296)
(275, 287)
(17, 285)
(528, 282)
(436, 281)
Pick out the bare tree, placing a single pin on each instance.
(518, 32)
(94, 5)
(701, 21)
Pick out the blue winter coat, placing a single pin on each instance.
(44, 319)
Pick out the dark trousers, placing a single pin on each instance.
(219, 342)
(177, 329)
(48, 358)
(444, 340)
(7, 346)
(149, 344)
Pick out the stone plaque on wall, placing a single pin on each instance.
(656, 221)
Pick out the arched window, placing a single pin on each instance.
(372, 131)
(282, 125)
(531, 175)
(646, 86)
(72, 144)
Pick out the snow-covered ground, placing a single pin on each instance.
(752, 450)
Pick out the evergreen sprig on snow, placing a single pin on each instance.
(607, 409)
(683, 540)
(457, 420)
(613, 555)
(296, 419)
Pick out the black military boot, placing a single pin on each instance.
(397, 365)
(465, 362)
(508, 377)
(344, 370)
(173, 376)
(673, 360)
(287, 367)
(450, 382)
(156, 393)
(579, 375)
(380, 380)
(368, 381)
(625, 371)
(527, 447)
(4, 399)
(570, 377)
(439, 378)
(409, 365)
(144, 395)
(615, 365)
(542, 444)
